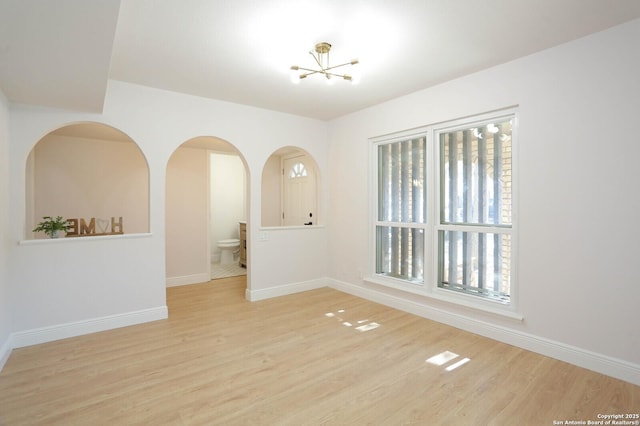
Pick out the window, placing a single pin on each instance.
(444, 209)
(298, 170)
(474, 233)
(401, 209)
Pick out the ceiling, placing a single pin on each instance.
(62, 53)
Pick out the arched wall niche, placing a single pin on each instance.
(290, 189)
(206, 199)
(91, 173)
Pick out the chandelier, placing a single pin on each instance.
(321, 56)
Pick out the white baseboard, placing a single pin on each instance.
(5, 351)
(188, 279)
(63, 331)
(603, 364)
(283, 290)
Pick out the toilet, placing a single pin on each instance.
(228, 249)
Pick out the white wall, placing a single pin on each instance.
(103, 280)
(5, 241)
(578, 238)
(228, 199)
(271, 187)
(186, 217)
(87, 178)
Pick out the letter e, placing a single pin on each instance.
(73, 227)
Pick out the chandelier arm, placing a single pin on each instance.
(337, 66)
(336, 75)
(305, 75)
(317, 60)
(309, 70)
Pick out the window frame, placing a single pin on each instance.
(433, 223)
(400, 224)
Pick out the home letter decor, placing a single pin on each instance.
(79, 227)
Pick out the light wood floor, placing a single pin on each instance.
(219, 359)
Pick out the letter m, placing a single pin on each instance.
(90, 229)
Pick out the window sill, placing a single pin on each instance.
(461, 300)
(287, 228)
(76, 239)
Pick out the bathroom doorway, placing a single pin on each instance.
(206, 199)
(227, 211)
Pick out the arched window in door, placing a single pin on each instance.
(298, 170)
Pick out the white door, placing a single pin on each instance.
(299, 192)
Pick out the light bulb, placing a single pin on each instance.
(330, 80)
(294, 76)
(355, 76)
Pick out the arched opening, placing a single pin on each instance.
(290, 189)
(206, 212)
(92, 175)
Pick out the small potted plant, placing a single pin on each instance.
(52, 227)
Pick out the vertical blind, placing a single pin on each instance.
(402, 207)
(475, 168)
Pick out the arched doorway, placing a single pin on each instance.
(206, 200)
(290, 189)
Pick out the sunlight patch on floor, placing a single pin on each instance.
(457, 364)
(442, 358)
(446, 356)
(367, 327)
(363, 324)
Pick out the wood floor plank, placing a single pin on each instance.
(316, 358)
